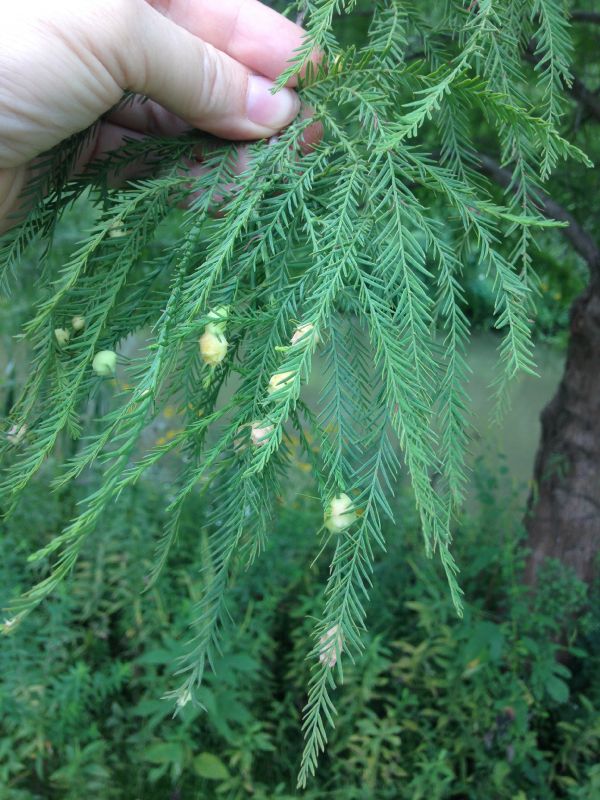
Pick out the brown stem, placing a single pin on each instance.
(588, 99)
(301, 14)
(581, 240)
(586, 16)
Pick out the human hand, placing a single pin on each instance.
(206, 64)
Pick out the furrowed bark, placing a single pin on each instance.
(563, 510)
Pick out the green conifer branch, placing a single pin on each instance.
(343, 242)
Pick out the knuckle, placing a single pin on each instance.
(110, 31)
(209, 88)
(123, 43)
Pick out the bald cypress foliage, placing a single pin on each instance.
(359, 243)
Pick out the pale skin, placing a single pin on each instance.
(205, 64)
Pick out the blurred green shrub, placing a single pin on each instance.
(561, 279)
(436, 708)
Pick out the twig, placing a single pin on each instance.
(586, 97)
(302, 14)
(577, 89)
(582, 241)
(586, 16)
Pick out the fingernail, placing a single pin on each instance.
(270, 110)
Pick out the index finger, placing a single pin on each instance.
(247, 30)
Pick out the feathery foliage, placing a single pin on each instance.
(337, 253)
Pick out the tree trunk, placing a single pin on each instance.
(563, 511)
(563, 518)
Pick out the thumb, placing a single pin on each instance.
(203, 85)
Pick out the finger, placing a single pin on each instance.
(112, 138)
(247, 30)
(311, 135)
(12, 182)
(201, 84)
(240, 162)
(147, 116)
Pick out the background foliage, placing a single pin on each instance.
(437, 707)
